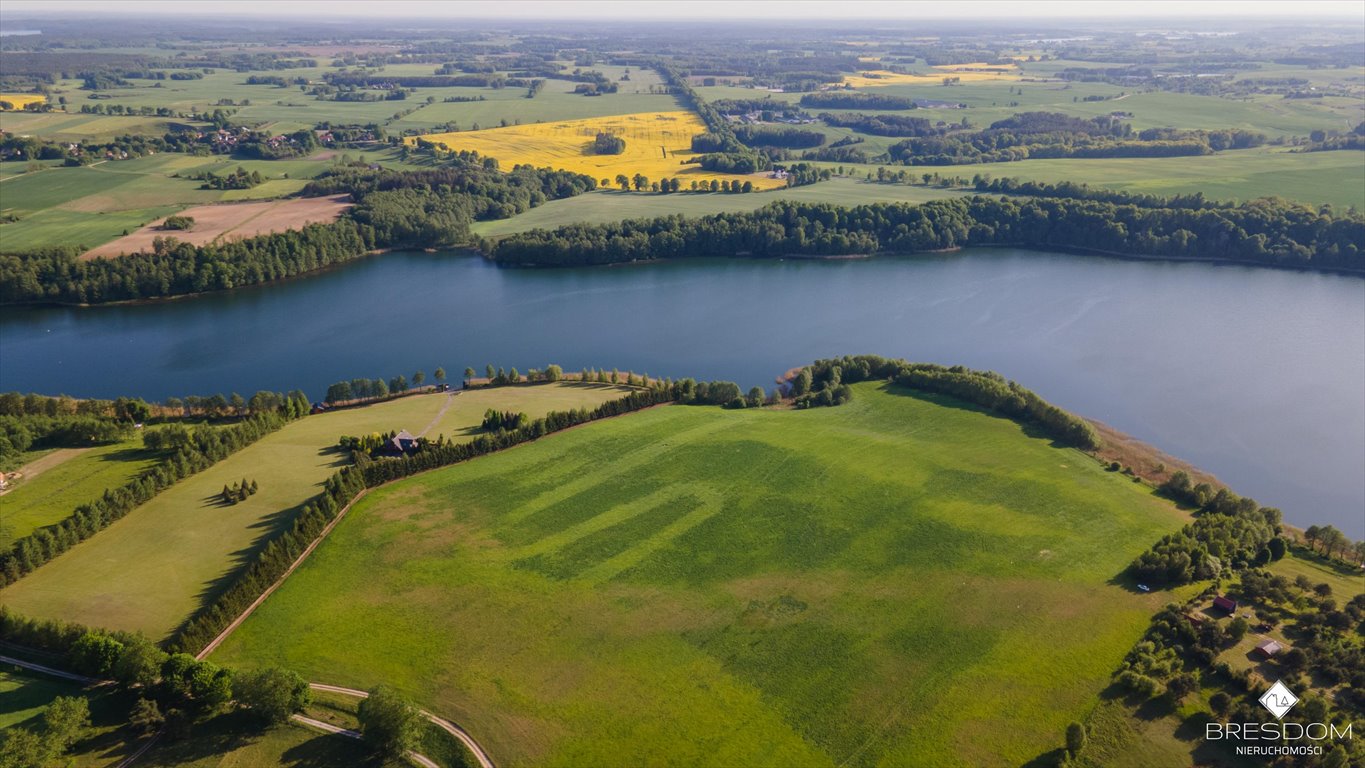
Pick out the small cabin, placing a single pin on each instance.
(1225, 604)
(1268, 648)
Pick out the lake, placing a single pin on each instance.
(1256, 375)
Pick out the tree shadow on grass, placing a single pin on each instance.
(1050, 759)
(269, 527)
(127, 455)
(332, 751)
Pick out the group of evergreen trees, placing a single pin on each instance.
(1269, 232)
(238, 492)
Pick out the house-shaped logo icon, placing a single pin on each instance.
(1278, 700)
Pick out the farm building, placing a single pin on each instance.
(1268, 648)
(1225, 603)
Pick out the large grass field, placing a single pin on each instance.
(149, 571)
(695, 585)
(57, 491)
(599, 207)
(91, 205)
(1310, 177)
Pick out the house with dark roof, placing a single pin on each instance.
(402, 443)
(1225, 603)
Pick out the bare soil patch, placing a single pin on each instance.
(223, 222)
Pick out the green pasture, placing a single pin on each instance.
(758, 587)
(90, 205)
(56, 492)
(149, 571)
(606, 206)
(1314, 178)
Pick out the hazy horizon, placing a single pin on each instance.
(673, 10)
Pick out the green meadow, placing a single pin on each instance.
(1314, 178)
(687, 585)
(605, 206)
(90, 205)
(56, 492)
(149, 571)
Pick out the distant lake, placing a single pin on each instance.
(1255, 375)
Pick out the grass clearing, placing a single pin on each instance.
(606, 206)
(1345, 582)
(49, 496)
(833, 586)
(657, 143)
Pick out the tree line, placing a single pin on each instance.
(855, 100)
(1267, 232)
(170, 692)
(204, 446)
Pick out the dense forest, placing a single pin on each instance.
(1269, 232)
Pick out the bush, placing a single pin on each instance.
(182, 223)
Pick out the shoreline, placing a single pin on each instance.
(470, 250)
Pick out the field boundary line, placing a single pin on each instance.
(308, 550)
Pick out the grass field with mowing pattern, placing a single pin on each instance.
(694, 585)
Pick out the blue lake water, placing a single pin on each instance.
(1256, 375)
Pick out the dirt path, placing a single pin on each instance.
(420, 759)
(39, 466)
(450, 398)
(440, 722)
(73, 677)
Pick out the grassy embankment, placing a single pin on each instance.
(149, 571)
(842, 583)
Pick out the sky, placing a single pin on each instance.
(629, 10)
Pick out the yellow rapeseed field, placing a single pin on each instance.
(21, 100)
(966, 73)
(657, 143)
